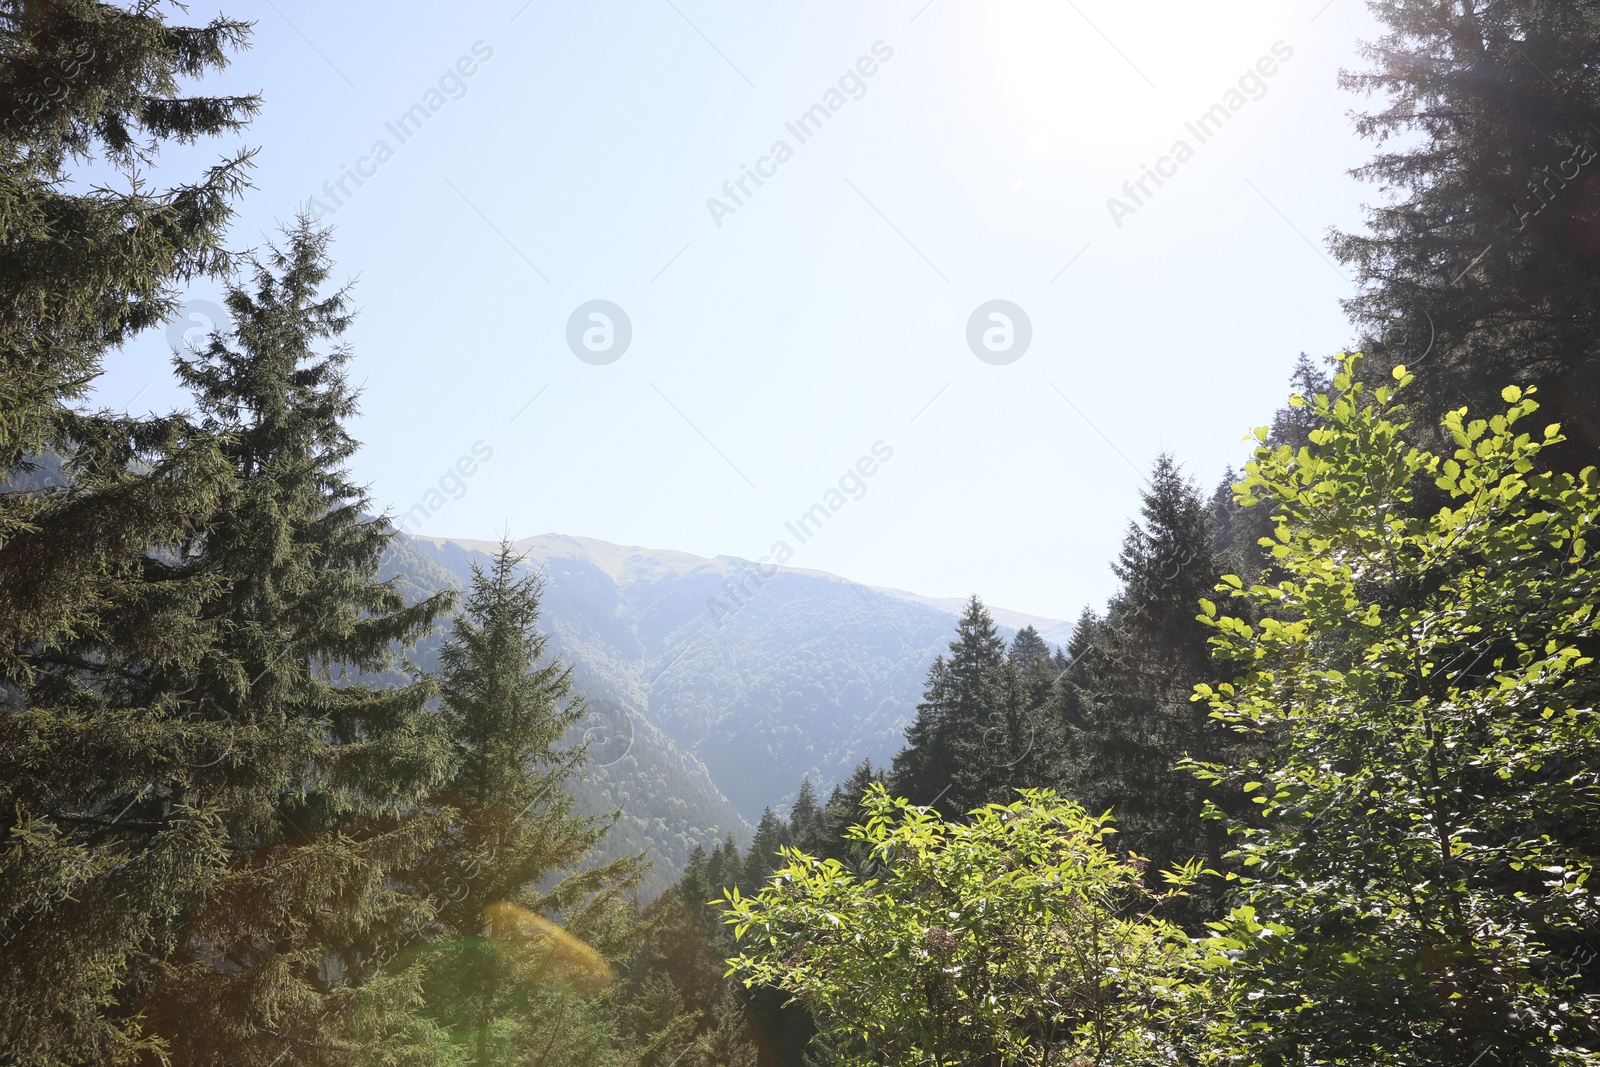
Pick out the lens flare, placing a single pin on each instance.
(530, 931)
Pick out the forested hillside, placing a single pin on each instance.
(813, 676)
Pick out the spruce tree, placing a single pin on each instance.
(1125, 699)
(314, 776)
(88, 84)
(1037, 666)
(726, 1042)
(89, 884)
(805, 819)
(925, 767)
(1487, 245)
(762, 859)
(963, 697)
(1028, 650)
(523, 938)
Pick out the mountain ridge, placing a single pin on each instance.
(704, 716)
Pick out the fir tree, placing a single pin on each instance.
(1488, 247)
(805, 819)
(1028, 650)
(726, 1043)
(89, 885)
(1125, 699)
(771, 835)
(525, 938)
(90, 84)
(1037, 666)
(314, 775)
(964, 690)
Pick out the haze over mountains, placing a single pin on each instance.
(714, 689)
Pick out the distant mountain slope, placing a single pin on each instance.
(667, 801)
(734, 686)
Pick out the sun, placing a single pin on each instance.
(1068, 80)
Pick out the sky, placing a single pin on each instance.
(948, 312)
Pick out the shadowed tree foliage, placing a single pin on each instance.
(1125, 698)
(94, 865)
(1487, 246)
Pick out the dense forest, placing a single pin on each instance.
(1320, 784)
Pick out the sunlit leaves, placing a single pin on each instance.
(1016, 935)
(1423, 680)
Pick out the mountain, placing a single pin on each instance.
(716, 687)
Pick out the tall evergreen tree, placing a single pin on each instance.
(523, 939)
(90, 84)
(88, 885)
(964, 689)
(1036, 664)
(1489, 245)
(805, 819)
(313, 774)
(1125, 697)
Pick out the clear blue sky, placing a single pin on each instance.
(829, 310)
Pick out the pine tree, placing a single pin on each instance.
(1036, 665)
(314, 775)
(1488, 247)
(770, 836)
(925, 767)
(726, 1043)
(1017, 744)
(805, 819)
(525, 937)
(1028, 650)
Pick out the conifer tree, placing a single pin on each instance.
(1487, 246)
(1028, 650)
(723, 865)
(762, 859)
(524, 938)
(964, 690)
(314, 775)
(726, 1043)
(805, 819)
(1125, 697)
(91, 84)
(1035, 663)
(88, 885)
